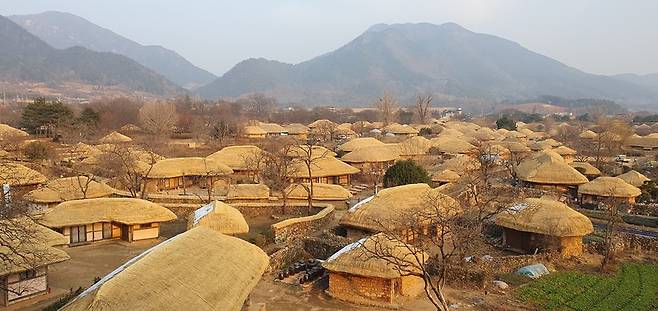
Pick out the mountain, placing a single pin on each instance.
(24, 57)
(407, 59)
(648, 80)
(64, 30)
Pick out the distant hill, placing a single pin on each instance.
(24, 57)
(649, 80)
(407, 59)
(64, 30)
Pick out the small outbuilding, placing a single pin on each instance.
(544, 225)
(373, 159)
(90, 220)
(19, 177)
(253, 131)
(634, 178)
(219, 217)
(326, 170)
(176, 173)
(605, 187)
(363, 272)
(66, 189)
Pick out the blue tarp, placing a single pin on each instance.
(533, 271)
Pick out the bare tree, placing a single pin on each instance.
(387, 106)
(259, 105)
(309, 155)
(158, 119)
(127, 166)
(423, 106)
(277, 163)
(613, 209)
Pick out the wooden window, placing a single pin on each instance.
(107, 230)
(29, 274)
(78, 234)
(145, 226)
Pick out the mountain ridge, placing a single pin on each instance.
(407, 59)
(64, 30)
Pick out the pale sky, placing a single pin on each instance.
(597, 36)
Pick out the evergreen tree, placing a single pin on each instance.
(405, 172)
(44, 113)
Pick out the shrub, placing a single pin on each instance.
(506, 123)
(426, 131)
(64, 300)
(37, 150)
(405, 172)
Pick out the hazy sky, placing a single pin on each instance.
(598, 36)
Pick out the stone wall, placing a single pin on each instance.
(293, 228)
(363, 290)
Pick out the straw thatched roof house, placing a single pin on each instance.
(81, 151)
(297, 130)
(218, 276)
(400, 130)
(363, 272)
(219, 217)
(445, 176)
(273, 129)
(89, 220)
(336, 195)
(24, 269)
(66, 189)
(344, 133)
(130, 128)
(552, 142)
(589, 170)
(359, 143)
(384, 210)
(301, 151)
(460, 164)
(327, 170)
(566, 153)
(414, 146)
(549, 171)
(587, 134)
(248, 193)
(649, 142)
(19, 176)
(241, 159)
(115, 138)
(373, 159)
(607, 187)
(177, 173)
(452, 145)
(253, 131)
(634, 178)
(542, 224)
(539, 146)
(515, 147)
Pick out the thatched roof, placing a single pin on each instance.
(552, 142)
(192, 166)
(546, 217)
(253, 130)
(460, 164)
(7, 132)
(296, 128)
(67, 189)
(417, 145)
(115, 137)
(539, 146)
(400, 129)
(15, 174)
(587, 134)
(564, 150)
(547, 169)
(390, 204)
(445, 176)
(123, 210)
(197, 270)
(515, 147)
(272, 128)
(452, 145)
(356, 143)
(372, 154)
(322, 123)
(301, 151)
(28, 253)
(369, 257)
(248, 192)
(605, 186)
(219, 217)
(321, 192)
(238, 157)
(647, 142)
(322, 167)
(130, 128)
(585, 168)
(634, 178)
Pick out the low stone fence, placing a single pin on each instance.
(297, 227)
(267, 209)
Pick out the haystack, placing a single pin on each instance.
(634, 178)
(558, 226)
(218, 276)
(219, 217)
